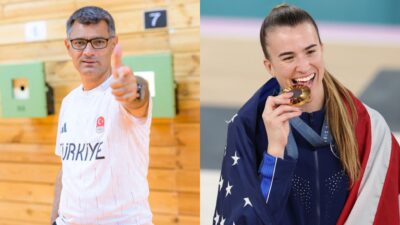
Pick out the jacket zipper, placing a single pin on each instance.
(317, 184)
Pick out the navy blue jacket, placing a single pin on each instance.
(256, 188)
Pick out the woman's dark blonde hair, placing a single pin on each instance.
(340, 108)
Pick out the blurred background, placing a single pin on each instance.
(28, 165)
(362, 50)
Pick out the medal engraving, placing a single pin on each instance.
(301, 94)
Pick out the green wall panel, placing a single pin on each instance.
(23, 100)
(160, 67)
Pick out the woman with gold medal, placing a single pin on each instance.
(305, 150)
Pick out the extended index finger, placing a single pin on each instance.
(116, 58)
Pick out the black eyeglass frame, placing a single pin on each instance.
(90, 41)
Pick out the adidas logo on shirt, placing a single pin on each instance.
(64, 128)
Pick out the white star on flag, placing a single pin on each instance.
(235, 159)
(222, 221)
(231, 120)
(228, 189)
(247, 202)
(221, 183)
(216, 219)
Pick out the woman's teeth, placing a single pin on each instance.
(304, 79)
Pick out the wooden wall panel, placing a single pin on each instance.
(184, 15)
(15, 32)
(25, 212)
(189, 220)
(32, 10)
(185, 40)
(179, 16)
(186, 205)
(26, 192)
(187, 64)
(28, 165)
(18, 222)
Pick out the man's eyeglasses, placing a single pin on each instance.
(97, 43)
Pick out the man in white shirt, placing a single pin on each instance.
(103, 131)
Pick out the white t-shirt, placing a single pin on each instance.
(105, 158)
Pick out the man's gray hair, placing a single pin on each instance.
(91, 15)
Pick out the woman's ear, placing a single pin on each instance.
(268, 66)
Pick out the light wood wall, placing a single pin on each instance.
(28, 166)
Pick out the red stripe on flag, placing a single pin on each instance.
(363, 134)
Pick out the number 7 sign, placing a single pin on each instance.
(155, 19)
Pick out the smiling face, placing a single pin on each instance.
(94, 65)
(295, 57)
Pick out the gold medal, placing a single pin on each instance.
(301, 94)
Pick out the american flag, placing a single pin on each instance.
(373, 199)
(240, 200)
